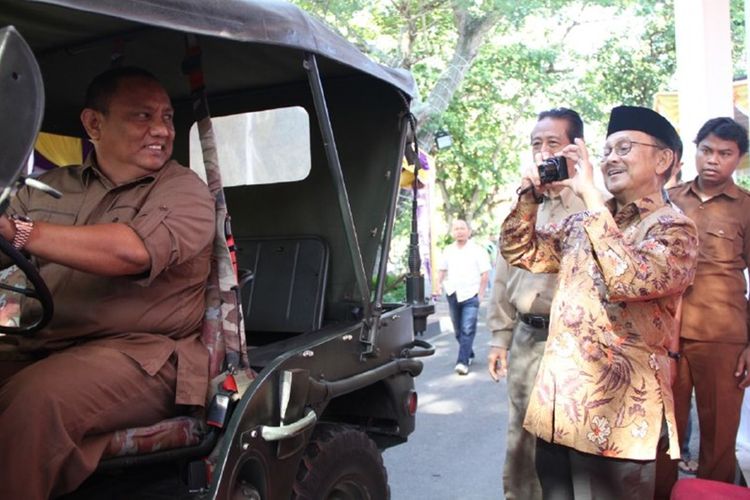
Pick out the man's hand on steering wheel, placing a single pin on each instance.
(9, 240)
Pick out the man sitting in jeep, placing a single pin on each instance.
(126, 254)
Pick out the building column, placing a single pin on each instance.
(704, 69)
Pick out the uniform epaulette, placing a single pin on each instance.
(677, 186)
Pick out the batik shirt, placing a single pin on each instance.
(603, 386)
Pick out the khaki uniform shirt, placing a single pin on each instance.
(515, 291)
(603, 385)
(150, 317)
(715, 307)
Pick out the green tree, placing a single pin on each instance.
(473, 174)
(484, 67)
(438, 40)
(631, 73)
(739, 51)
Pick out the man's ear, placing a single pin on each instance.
(665, 160)
(92, 122)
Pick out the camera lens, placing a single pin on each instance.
(553, 169)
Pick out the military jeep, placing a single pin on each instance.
(310, 136)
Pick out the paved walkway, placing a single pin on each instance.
(457, 449)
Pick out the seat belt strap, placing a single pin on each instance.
(223, 291)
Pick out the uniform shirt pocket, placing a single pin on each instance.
(52, 215)
(121, 213)
(721, 242)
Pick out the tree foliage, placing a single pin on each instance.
(631, 73)
(739, 51)
(512, 80)
(473, 174)
(485, 68)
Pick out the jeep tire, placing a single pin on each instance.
(341, 463)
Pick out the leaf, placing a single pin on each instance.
(597, 403)
(572, 410)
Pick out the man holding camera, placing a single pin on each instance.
(518, 314)
(603, 396)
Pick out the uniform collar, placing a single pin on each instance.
(91, 168)
(565, 196)
(730, 190)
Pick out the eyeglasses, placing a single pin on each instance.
(621, 148)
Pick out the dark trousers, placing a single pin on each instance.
(568, 474)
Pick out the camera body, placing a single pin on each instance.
(553, 169)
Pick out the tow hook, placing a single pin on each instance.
(417, 348)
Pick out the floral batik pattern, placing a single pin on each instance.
(603, 385)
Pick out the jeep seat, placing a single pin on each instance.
(225, 342)
(283, 287)
(283, 295)
(183, 431)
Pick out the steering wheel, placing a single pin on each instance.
(21, 111)
(38, 291)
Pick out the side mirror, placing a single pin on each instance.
(21, 107)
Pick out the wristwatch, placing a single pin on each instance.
(674, 355)
(24, 225)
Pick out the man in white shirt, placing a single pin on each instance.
(464, 270)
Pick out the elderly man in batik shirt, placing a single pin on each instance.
(603, 397)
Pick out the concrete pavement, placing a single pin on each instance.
(458, 447)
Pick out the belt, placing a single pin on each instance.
(535, 320)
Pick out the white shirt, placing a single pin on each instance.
(464, 267)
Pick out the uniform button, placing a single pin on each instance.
(701, 207)
(721, 231)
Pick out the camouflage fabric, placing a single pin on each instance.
(223, 326)
(10, 303)
(172, 433)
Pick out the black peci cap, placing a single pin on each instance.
(644, 120)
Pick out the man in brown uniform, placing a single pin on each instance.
(714, 333)
(518, 314)
(126, 254)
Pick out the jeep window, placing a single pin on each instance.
(262, 147)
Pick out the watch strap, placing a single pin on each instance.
(24, 226)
